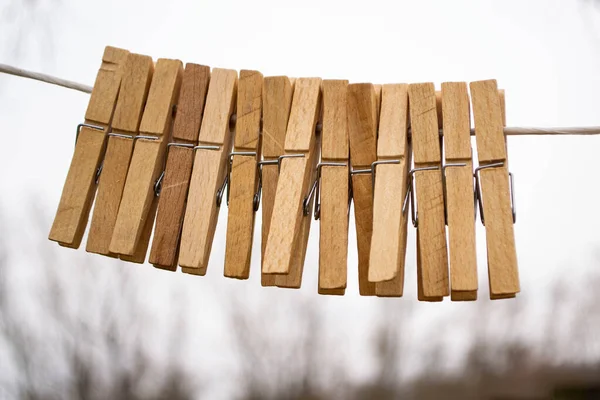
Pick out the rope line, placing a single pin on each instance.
(8, 69)
(510, 131)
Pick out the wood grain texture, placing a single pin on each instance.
(147, 160)
(334, 190)
(456, 121)
(139, 256)
(362, 112)
(240, 220)
(220, 103)
(362, 196)
(439, 108)
(489, 129)
(178, 169)
(501, 94)
(80, 184)
(133, 94)
(459, 192)
(277, 102)
(110, 190)
(386, 258)
(393, 140)
(292, 187)
(190, 104)
(293, 279)
(135, 84)
(499, 229)
(270, 176)
(420, 294)
(393, 122)
(334, 144)
(489, 118)
(171, 208)
(304, 113)
(333, 241)
(362, 124)
(432, 233)
(286, 219)
(461, 231)
(201, 213)
(395, 286)
(103, 99)
(208, 173)
(424, 123)
(249, 110)
(244, 177)
(137, 197)
(432, 264)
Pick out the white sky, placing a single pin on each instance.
(544, 53)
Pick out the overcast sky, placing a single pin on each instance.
(545, 54)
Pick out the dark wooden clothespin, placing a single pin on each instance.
(178, 170)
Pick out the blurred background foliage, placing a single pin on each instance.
(77, 331)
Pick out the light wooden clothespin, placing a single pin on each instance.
(80, 186)
(277, 102)
(390, 172)
(363, 118)
(332, 192)
(128, 114)
(494, 188)
(209, 173)
(458, 178)
(290, 221)
(243, 176)
(138, 205)
(428, 211)
(178, 170)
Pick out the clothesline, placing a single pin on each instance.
(510, 131)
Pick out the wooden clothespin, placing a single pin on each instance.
(277, 102)
(390, 171)
(137, 209)
(458, 178)
(432, 257)
(80, 186)
(290, 221)
(126, 122)
(333, 190)
(243, 176)
(495, 190)
(363, 119)
(178, 170)
(209, 173)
